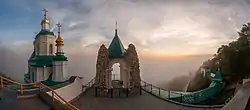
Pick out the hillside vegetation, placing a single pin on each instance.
(233, 59)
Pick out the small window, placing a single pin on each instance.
(50, 49)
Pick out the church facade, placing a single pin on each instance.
(47, 60)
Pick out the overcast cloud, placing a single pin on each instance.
(165, 27)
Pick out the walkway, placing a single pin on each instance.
(33, 103)
(146, 101)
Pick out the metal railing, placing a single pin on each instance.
(5, 82)
(115, 77)
(55, 96)
(88, 85)
(176, 97)
(229, 99)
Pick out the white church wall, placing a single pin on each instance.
(43, 42)
(50, 41)
(42, 73)
(60, 70)
(65, 72)
(47, 72)
(39, 73)
(70, 91)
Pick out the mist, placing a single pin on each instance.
(158, 71)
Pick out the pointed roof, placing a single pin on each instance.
(116, 48)
(59, 40)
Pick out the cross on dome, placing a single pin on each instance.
(45, 12)
(59, 27)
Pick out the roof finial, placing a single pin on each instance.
(45, 13)
(116, 29)
(59, 27)
(116, 25)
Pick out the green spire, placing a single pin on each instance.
(116, 49)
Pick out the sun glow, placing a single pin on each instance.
(163, 54)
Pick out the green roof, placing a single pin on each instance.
(50, 82)
(43, 60)
(45, 32)
(116, 49)
(46, 60)
(60, 57)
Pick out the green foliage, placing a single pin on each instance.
(233, 59)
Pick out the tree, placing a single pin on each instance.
(233, 59)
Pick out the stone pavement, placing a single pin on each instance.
(146, 101)
(8, 100)
(33, 103)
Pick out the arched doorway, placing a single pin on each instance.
(116, 79)
(115, 74)
(119, 75)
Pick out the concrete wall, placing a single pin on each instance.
(240, 100)
(70, 91)
(246, 80)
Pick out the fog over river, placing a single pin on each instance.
(158, 71)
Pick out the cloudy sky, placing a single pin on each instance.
(158, 28)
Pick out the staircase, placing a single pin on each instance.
(31, 90)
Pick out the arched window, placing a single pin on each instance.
(37, 50)
(50, 49)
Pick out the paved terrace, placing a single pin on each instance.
(33, 103)
(146, 101)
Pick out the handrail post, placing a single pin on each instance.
(181, 97)
(140, 90)
(21, 88)
(96, 91)
(127, 92)
(40, 88)
(111, 92)
(194, 99)
(159, 91)
(91, 82)
(119, 91)
(169, 94)
(151, 88)
(52, 96)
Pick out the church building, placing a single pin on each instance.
(47, 60)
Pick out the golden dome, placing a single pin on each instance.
(45, 21)
(59, 40)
